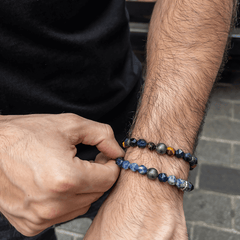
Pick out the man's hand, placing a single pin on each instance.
(42, 180)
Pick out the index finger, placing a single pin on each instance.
(88, 132)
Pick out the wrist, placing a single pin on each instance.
(145, 209)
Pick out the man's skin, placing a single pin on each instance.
(186, 43)
(43, 183)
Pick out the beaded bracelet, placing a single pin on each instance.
(152, 174)
(161, 148)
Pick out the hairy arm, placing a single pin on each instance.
(185, 47)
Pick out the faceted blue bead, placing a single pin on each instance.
(180, 183)
(119, 162)
(193, 161)
(126, 143)
(179, 153)
(142, 169)
(162, 177)
(172, 180)
(125, 164)
(134, 167)
(187, 157)
(189, 187)
(133, 142)
(141, 143)
(192, 188)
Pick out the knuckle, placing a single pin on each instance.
(109, 131)
(62, 185)
(70, 118)
(28, 231)
(45, 214)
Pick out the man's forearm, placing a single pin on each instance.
(185, 47)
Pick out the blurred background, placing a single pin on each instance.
(212, 210)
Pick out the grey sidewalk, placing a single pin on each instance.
(213, 209)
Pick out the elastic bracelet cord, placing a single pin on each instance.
(161, 148)
(152, 174)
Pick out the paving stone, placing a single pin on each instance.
(189, 227)
(218, 107)
(209, 208)
(221, 128)
(61, 236)
(237, 214)
(236, 154)
(204, 233)
(79, 238)
(236, 111)
(213, 152)
(219, 179)
(80, 225)
(231, 92)
(192, 175)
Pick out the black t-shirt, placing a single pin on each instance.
(68, 56)
(74, 56)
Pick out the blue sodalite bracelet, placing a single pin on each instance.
(161, 148)
(152, 174)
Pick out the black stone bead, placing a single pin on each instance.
(192, 188)
(133, 142)
(152, 173)
(151, 146)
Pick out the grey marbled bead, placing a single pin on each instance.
(180, 183)
(152, 173)
(161, 148)
(172, 180)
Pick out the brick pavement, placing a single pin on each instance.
(213, 209)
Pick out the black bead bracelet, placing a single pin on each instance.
(152, 174)
(161, 148)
